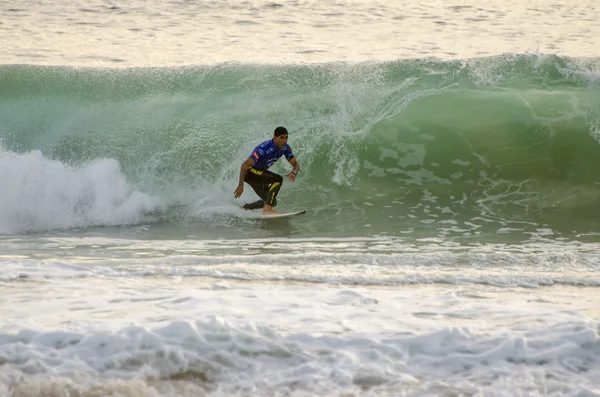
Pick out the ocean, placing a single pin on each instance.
(449, 156)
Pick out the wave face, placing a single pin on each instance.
(502, 145)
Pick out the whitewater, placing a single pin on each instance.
(449, 156)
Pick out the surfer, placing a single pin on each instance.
(254, 171)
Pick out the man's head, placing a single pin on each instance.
(280, 137)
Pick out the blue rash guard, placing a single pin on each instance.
(266, 154)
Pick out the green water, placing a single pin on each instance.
(487, 146)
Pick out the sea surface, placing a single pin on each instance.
(449, 155)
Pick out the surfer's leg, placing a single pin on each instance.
(259, 189)
(255, 205)
(271, 193)
(271, 196)
(275, 182)
(259, 184)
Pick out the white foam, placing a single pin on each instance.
(375, 262)
(42, 194)
(314, 342)
(97, 316)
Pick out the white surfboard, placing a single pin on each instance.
(259, 215)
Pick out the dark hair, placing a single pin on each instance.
(280, 131)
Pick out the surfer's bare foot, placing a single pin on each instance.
(268, 210)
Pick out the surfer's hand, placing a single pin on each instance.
(291, 177)
(238, 191)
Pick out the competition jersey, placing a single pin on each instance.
(266, 154)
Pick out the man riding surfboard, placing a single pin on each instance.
(254, 171)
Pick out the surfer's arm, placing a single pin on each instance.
(292, 175)
(243, 170)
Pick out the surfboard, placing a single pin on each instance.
(258, 215)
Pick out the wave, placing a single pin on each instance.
(503, 142)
